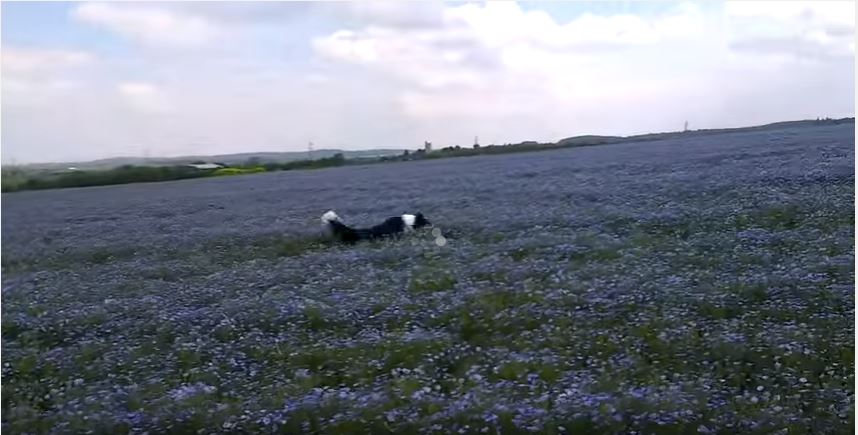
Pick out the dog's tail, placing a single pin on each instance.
(338, 229)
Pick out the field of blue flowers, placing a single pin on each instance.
(681, 286)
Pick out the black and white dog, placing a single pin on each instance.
(391, 227)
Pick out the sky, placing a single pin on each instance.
(90, 80)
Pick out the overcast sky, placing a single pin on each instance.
(89, 80)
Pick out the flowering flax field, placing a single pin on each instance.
(703, 285)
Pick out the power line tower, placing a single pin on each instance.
(476, 140)
(686, 126)
(310, 151)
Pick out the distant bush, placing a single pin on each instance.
(336, 160)
(238, 171)
(12, 179)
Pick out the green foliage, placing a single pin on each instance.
(237, 171)
(315, 319)
(13, 178)
(427, 284)
(327, 162)
(520, 254)
(121, 175)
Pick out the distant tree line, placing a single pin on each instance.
(337, 159)
(15, 179)
(476, 149)
(121, 175)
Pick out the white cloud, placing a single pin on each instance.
(33, 77)
(394, 14)
(475, 38)
(152, 24)
(145, 97)
(827, 12)
(802, 29)
(499, 24)
(16, 60)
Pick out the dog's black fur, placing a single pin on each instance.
(391, 227)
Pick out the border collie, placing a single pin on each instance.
(391, 227)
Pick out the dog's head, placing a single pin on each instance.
(329, 217)
(420, 221)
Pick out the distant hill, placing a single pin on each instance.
(587, 140)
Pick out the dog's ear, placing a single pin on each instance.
(421, 220)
